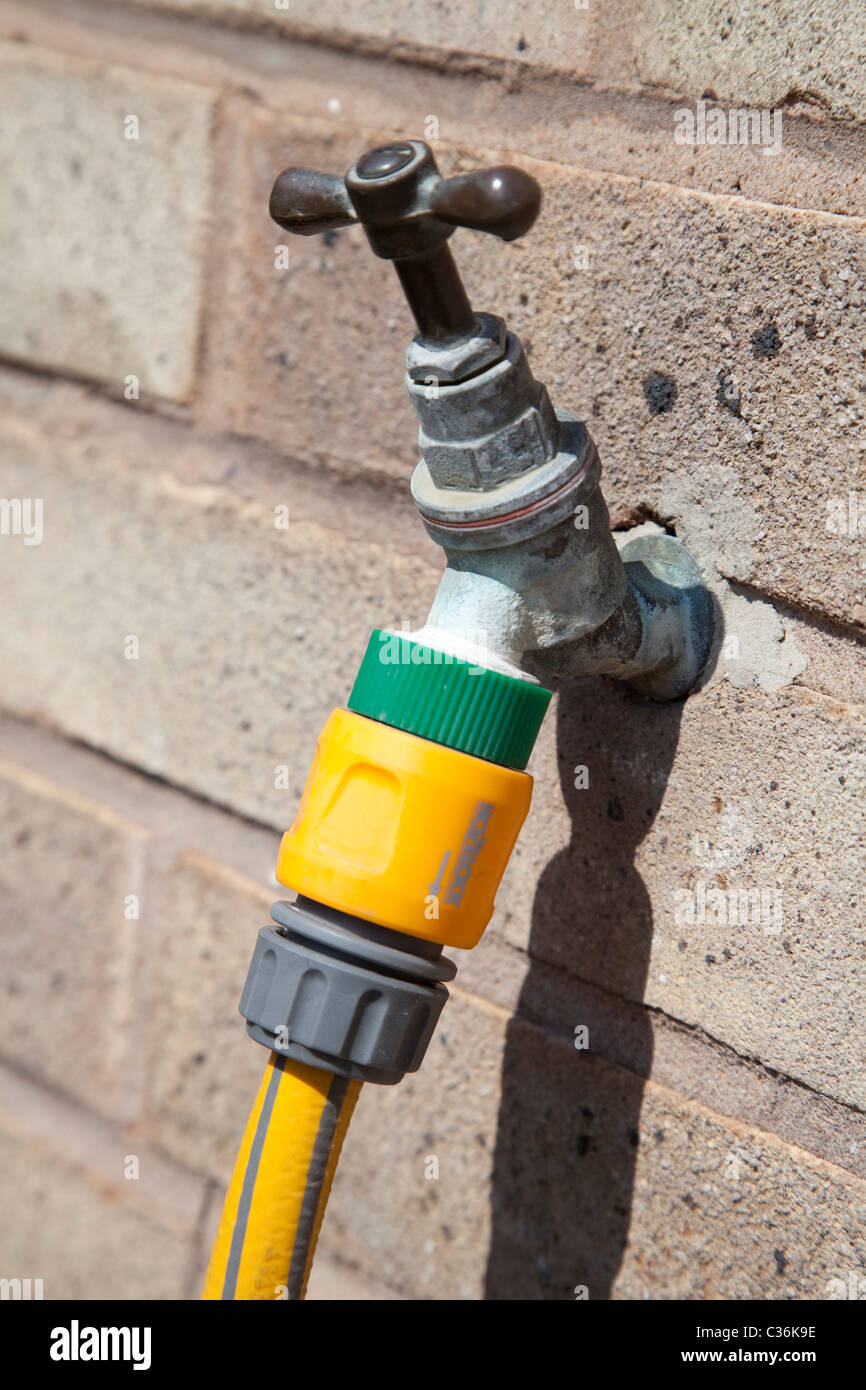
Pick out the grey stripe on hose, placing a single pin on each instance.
(330, 1118)
(250, 1176)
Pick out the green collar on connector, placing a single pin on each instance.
(437, 696)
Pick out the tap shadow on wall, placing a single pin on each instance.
(567, 1137)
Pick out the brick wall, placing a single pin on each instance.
(164, 388)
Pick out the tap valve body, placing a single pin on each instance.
(507, 485)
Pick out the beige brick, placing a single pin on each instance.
(652, 1044)
(425, 1236)
(138, 1019)
(565, 1171)
(686, 287)
(331, 1282)
(71, 1215)
(739, 791)
(102, 237)
(102, 1151)
(539, 114)
(710, 294)
(591, 41)
(248, 634)
(57, 1228)
(69, 953)
(202, 1071)
(764, 55)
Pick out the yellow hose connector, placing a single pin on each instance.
(402, 831)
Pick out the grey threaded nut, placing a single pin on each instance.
(478, 433)
(307, 1001)
(434, 363)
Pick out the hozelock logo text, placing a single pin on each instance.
(77, 1343)
(473, 843)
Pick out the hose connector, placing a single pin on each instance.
(411, 810)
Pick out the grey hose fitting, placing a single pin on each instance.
(336, 992)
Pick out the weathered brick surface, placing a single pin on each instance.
(100, 235)
(137, 1016)
(202, 1071)
(57, 1228)
(650, 1043)
(78, 1214)
(585, 41)
(590, 1179)
(685, 295)
(331, 1281)
(69, 955)
(733, 793)
(190, 567)
(764, 55)
(537, 115)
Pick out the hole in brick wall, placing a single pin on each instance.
(766, 341)
(660, 391)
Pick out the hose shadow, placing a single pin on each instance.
(567, 1137)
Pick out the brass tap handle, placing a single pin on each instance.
(408, 212)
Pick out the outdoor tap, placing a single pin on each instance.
(508, 485)
(418, 789)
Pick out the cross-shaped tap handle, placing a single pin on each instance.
(408, 212)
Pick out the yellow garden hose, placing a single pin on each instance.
(281, 1182)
